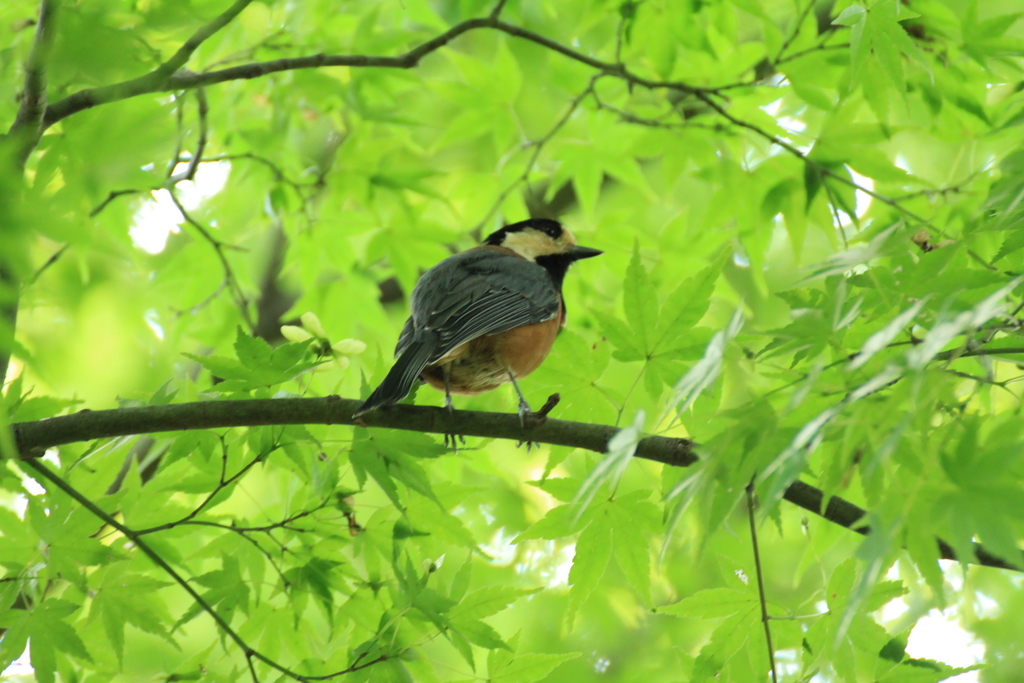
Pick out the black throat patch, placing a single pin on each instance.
(557, 266)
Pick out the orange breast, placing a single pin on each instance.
(483, 363)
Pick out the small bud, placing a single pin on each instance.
(312, 323)
(349, 347)
(295, 334)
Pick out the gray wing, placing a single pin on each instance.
(478, 292)
(405, 338)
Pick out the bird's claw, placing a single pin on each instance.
(452, 441)
(530, 445)
(529, 420)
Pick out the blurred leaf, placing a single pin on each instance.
(706, 370)
(716, 161)
(610, 469)
(712, 603)
(487, 601)
(640, 302)
(528, 668)
(593, 550)
(881, 339)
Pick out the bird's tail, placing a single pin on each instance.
(400, 378)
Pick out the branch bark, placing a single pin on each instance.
(181, 57)
(9, 287)
(159, 80)
(16, 146)
(33, 438)
(28, 123)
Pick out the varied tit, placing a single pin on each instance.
(486, 316)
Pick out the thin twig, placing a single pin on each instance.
(227, 527)
(279, 175)
(264, 44)
(627, 117)
(114, 194)
(795, 32)
(834, 207)
(538, 147)
(49, 262)
(496, 12)
(197, 156)
(957, 353)
(179, 124)
(219, 247)
(40, 468)
(825, 171)
(181, 57)
(358, 666)
(190, 518)
(751, 505)
(157, 81)
(809, 50)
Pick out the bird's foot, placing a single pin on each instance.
(529, 420)
(452, 439)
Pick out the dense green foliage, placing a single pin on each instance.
(812, 215)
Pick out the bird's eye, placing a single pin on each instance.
(551, 229)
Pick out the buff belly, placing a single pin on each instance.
(484, 363)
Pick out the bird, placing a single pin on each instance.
(484, 317)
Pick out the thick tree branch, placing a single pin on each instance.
(159, 80)
(156, 80)
(33, 438)
(28, 123)
(8, 316)
(21, 139)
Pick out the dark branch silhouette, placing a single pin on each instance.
(28, 123)
(33, 438)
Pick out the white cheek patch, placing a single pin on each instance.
(530, 244)
(523, 243)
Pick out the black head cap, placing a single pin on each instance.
(551, 228)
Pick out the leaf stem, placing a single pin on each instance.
(751, 506)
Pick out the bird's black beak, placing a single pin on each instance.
(577, 253)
